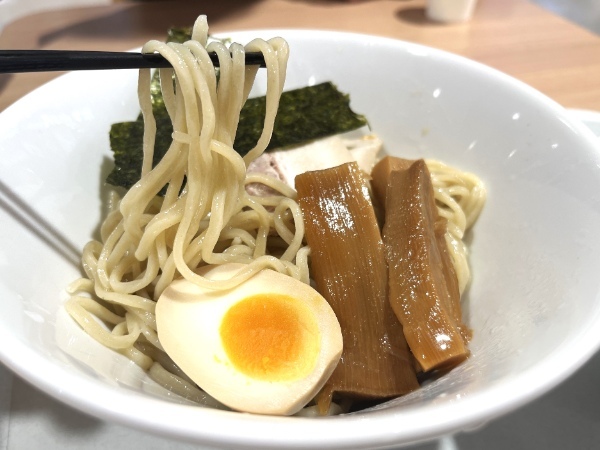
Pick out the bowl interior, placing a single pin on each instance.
(533, 302)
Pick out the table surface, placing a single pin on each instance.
(555, 56)
(519, 38)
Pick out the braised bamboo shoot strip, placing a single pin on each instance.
(348, 263)
(450, 277)
(380, 176)
(380, 179)
(418, 291)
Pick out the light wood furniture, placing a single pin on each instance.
(555, 56)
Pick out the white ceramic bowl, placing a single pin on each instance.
(535, 254)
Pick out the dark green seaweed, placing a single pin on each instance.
(304, 115)
(126, 137)
(179, 34)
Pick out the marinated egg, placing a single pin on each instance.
(266, 346)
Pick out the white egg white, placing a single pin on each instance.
(188, 322)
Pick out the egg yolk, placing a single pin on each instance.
(271, 337)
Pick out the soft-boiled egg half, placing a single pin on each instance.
(266, 346)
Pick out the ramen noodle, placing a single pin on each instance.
(206, 215)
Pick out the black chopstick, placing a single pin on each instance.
(18, 61)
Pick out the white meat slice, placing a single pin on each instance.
(365, 151)
(285, 165)
(317, 155)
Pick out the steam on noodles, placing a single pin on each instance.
(207, 216)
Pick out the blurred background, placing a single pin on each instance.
(583, 12)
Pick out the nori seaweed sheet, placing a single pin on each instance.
(179, 34)
(304, 115)
(126, 137)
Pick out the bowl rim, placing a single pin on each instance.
(407, 424)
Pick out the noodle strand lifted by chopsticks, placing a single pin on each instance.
(205, 217)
